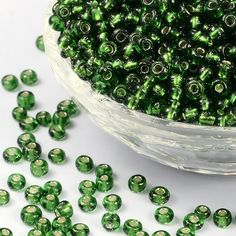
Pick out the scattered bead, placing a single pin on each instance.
(104, 183)
(16, 182)
(33, 194)
(26, 100)
(32, 151)
(185, 231)
(57, 156)
(53, 187)
(40, 43)
(164, 215)
(55, 233)
(12, 155)
(103, 169)
(35, 232)
(141, 233)
(64, 208)
(137, 183)
(30, 214)
(161, 233)
(28, 77)
(112, 202)
(61, 118)
(80, 229)
(5, 232)
(132, 226)
(87, 187)
(29, 124)
(68, 106)
(4, 197)
(25, 138)
(39, 168)
(111, 221)
(49, 202)
(43, 224)
(87, 203)
(62, 223)
(19, 113)
(222, 218)
(10, 82)
(192, 221)
(203, 212)
(84, 164)
(57, 132)
(44, 118)
(159, 195)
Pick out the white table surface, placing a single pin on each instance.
(20, 23)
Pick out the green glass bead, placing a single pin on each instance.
(62, 223)
(84, 163)
(43, 224)
(193, 221)
(185, 231)
(55, 233)
(68, 106)
(4, 197)
(139, 233)
(57, 132)
(30, 214)
(12, 155)
(61, 118)
(29, 124)
(132, 226)
(161, 233)
(32, 151)
(112, 202)
(10, 82)
(40, 43)
(87, 203)
(80, 229)
(222, 218)
(16, 182)
(64, 208)
(39, 167)
(164, 215)
(19, 113)
(25, 138)
(26, 100)
(53, 187)
(5, 232)
(35, 232)
(44, 118)
(137, 183)
(104, 183)
(87, 187)
(202, 212)
(111, 221)
(103, 169)
(28, 77)
(207, 119)
(33, 194)
(159, 195)
(56, 23)
(57, 156)
(49, 202)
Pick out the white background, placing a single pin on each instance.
(20, 23)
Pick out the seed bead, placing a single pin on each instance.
(49, 202)
(192, 221)
(12, 155)
(222, 218)
(61, 118)
(203, 212)
(32, 151)
(44, 118)
(57, 132)
(161, 233)
(55, 233)
(104, 183)
(87, 187)
(132, 226)
(80, 229)
(84, 164)
(19, 113)
(62, 223)
(140, 233)
(35, 232)
(53, 187)
(185, 231)
(164, 215)
(159, 195)
(25, 138)
(68, 106)
(112, 202)
(43, 224)
(103, 169)
(4, 197)
(137, 183)
(39, 167)
(28, 77)
(64, 208)
(57, 156)
(29, 124)
(16, 182)
(26, 100)
(30, 214)
(10, 82)
(87, 203)
(5, 232)
(111, 221)
(40, 43)
(33, 194)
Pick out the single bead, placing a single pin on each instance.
(32, 151)
(25, 138)
(103, 169)
(193, 221)
(164, 215)
(55, 233)
(84, 163)
(39, 167)
(4, 197)
(5, 232)
(43, 224)
(112, 202)
(203, 212)
(61, 118)
(10, 82)
(140, 233)
(87, 203)
(222, 218)
(87, 187)
(159, 195)
(80, 229)
(29, 124)
(16, 182)
(33, 194)
(57, 156)
(19, 113)
(62, 223)
(56, 23)
(68, 106)
(53, 187)
(28, 77)
(185, 231)
(12, 155)
(104, 183)
(26, 100)
(64, 208)
(44, 118)
(49, 202)
(137, 183)
(57, 132)
(132, 226)
(161, 233)
(35, 232)
(30, 214)
(110, 221)
(40, 43)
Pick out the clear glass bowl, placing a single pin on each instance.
(184, 146)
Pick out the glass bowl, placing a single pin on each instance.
(184, 146)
